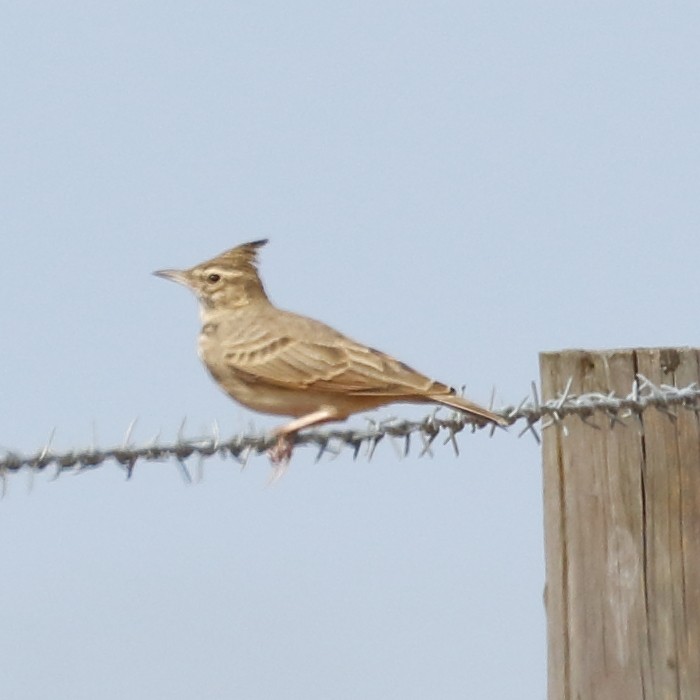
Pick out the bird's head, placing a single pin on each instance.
(228, 281)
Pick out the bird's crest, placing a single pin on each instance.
(243, 258)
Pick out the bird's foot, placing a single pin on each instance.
(280, 454)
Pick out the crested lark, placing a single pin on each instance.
(275, 361)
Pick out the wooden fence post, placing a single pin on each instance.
(622, 534)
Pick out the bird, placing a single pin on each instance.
(279, 362)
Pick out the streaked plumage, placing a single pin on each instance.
(278, 362)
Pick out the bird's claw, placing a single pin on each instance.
(280, 454)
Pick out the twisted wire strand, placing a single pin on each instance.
(531, 411)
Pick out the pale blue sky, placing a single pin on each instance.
(460, 184)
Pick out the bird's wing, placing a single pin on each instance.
(300, 353)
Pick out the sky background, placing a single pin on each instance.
(462, 185)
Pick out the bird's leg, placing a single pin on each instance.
(281, 453)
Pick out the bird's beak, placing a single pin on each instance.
(179, 276)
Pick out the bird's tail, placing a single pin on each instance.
(472, 409)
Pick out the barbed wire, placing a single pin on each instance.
(617, 409)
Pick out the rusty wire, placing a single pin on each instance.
(530, 412)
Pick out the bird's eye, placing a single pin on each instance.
(214, 277)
